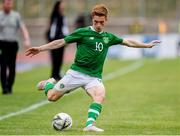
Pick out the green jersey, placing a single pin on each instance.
(92, 48)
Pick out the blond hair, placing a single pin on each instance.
(99, 10)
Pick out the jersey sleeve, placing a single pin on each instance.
(73, 37)
(115, 40)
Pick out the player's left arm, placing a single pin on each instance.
(137, 44)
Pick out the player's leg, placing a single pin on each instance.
(97, 93)
(49, 89)
(55, 91)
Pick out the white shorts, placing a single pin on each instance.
(74, 79)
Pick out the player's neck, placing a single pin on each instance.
(93, 29)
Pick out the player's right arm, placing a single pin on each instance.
(49, 46)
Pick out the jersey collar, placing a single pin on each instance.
(92, 28)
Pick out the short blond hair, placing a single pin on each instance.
(99, 10)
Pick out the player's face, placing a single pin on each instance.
(7, 5)
(99, 22)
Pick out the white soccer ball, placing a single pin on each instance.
(62, 121)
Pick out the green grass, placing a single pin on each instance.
(145, 101)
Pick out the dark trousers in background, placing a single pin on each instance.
(56, 62)
(8, 53)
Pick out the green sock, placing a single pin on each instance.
(93, 113)
(48, 86)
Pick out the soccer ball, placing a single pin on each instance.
(62, 121)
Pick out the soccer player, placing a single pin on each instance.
(86, 71)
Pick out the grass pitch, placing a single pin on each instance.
(145, 101)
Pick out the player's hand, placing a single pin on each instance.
(32, 51)
(153, 43)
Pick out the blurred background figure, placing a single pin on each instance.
(136, 27)
(83, 20)
(162, 26)
(57, 29)
(10, 22)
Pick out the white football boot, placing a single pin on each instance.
(41, 84)
(93, 128)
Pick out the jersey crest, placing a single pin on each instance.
(106, 40)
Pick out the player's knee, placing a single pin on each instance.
(100, 97)
(104, 98)
(54, 95)
(52, 98)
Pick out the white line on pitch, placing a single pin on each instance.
(123, 71)
(30, 108)
(119, 72)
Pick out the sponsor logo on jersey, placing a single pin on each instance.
(106, 39)
(91, 38)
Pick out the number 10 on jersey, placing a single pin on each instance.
(99, 46)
